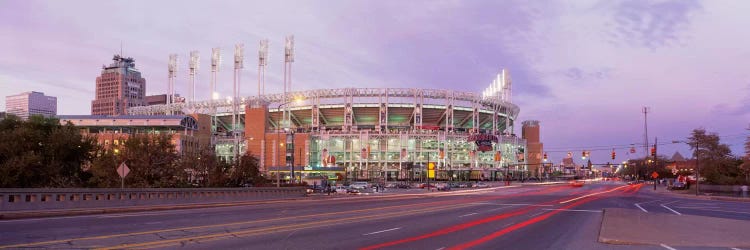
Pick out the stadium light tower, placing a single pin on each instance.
(262, 64)
(194, 64)
(288, 60)
(172, 69)
(239, 57)
(215, 66)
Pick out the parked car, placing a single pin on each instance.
(403, 185)
(463, 185)
(482, 185)
(359, 185)
(341, 189)
(443, 187)
(425, 185)
(678, 185)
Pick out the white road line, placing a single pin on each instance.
(573, 210)
(506, 225)
(467, 214)
(153, 223)
(440, 248)
(734, 248)
(678, 213)
(494, 209)
(511, 204)
(667, 247)
(597, 193)
(382, 231)
(536, 214)
(639, 206)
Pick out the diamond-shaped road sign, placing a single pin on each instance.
(123, 170)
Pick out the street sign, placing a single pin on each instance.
(431, 170)
(654, 175)
(123, 170)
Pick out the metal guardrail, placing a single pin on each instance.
(63, 198)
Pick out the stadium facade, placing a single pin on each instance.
(372, 133)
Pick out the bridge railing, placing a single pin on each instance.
(68, 198)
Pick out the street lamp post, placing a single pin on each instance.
(697, 166)
(279, 143)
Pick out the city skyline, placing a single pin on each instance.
(584, 70)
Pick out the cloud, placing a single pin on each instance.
(651, 24)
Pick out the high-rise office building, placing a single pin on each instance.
(31, 103)
(119, 87)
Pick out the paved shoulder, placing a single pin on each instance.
(631, 226)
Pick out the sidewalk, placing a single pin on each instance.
(632, 227)
(691, 194)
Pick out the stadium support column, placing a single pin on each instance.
(315, 114)
(449, 114)
(348, 112)
(418, 101)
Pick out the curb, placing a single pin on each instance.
(11, 215)
(702, 197)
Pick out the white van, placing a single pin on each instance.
(359, 185)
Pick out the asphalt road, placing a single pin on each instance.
(527, 217)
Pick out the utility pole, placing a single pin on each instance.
(645, 138)
(656, 139)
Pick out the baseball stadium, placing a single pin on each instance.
(371, 133)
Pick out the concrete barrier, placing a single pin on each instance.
(24, 199)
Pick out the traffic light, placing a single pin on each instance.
(653, 152)
(583, 155)
(545, 156)
(613, 154)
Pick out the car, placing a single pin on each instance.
(425, 185)
(359, 185)
(463, 185)
(403, 185)
(482, 185)
(391, 185)
(341, 189)
(678, 185)
(576, 183)
(352, 190)
(443, 187)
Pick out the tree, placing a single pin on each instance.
(247, 171)
(41, 152)
(745, 167)
(152, 161)
(715, 159)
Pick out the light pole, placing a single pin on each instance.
(279, 143)
(696, 153)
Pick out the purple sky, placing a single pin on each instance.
(583, 68)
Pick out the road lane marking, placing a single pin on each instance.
(383, 231)
(639, 206)
(280, 228)
(495, 209)
(467, 215)
(574, 210)
(512, 204)
(734, 248)
(678, 213)
(207, 226)
(667, 247)
(536, 214)
(592, 194)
